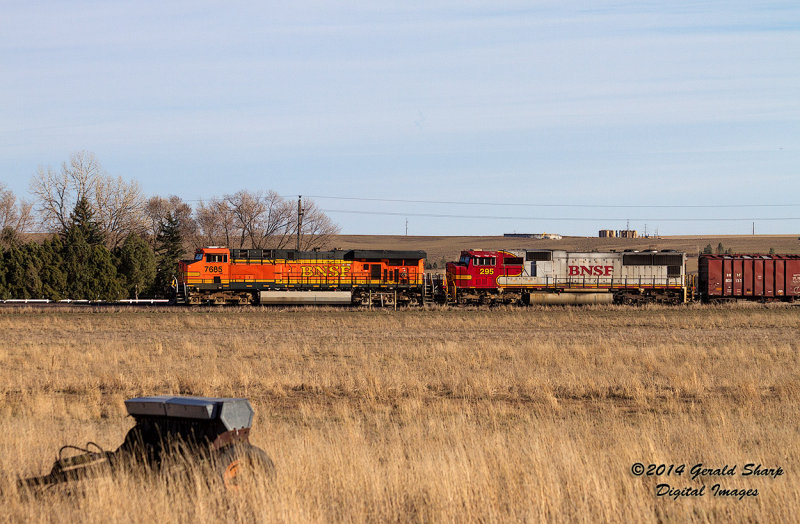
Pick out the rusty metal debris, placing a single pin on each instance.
(167, 428)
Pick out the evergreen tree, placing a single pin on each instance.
(708, 250)
(3, 290)
(82, 219)
(136, 266)
(169, 250)
(33, 281)
(720, 249)
(51, 271)
(75, 254)
(32, 271)
(16, 267)
(106, 285)
(88, 265)
(8, 237)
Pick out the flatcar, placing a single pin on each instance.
(544, 276)
(219, 275)
(765, 278)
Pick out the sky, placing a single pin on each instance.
(453, 117)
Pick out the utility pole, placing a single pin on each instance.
(754, 229)
(406, 227)
(299, 218)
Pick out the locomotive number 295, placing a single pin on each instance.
(487, 271)
(213, 269)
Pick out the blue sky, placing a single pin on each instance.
(576, 104)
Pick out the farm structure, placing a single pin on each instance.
(283, 276)
(562, 277)
(749, 277)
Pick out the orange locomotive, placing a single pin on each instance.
(219, 275)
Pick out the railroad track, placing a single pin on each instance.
(45, 303)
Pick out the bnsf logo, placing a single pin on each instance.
(324, 271)
(591, 271)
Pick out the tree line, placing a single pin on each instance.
(105, 240)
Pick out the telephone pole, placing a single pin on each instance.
(299, 218)
(406, 227)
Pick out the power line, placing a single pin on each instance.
(513, 204)
(573, 219)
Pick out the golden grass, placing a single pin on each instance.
(437, 415)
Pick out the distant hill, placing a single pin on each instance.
(441, 248)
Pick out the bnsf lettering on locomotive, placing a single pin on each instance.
(591, 271)
(324, 271)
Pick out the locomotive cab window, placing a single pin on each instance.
(216, 258)
(198, 256)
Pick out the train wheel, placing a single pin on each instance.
(243, 463)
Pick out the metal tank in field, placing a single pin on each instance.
(168, 429)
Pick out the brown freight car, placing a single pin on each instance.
(749, 277)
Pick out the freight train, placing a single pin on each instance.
(218, 275)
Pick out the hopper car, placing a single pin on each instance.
(765, 278)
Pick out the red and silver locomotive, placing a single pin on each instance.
(544, 276)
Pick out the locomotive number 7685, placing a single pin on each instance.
(213, 269)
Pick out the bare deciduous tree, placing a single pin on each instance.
(59, 191)
(119, 208)
(156, 210)
(215, 222)
(317, 228)
(262, 219)
(15, 217)
(118, 205)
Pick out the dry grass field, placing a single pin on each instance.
(437, 415)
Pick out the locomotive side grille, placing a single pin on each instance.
(637, 259)
(649, 259)
(539, 256)
(667, 260)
